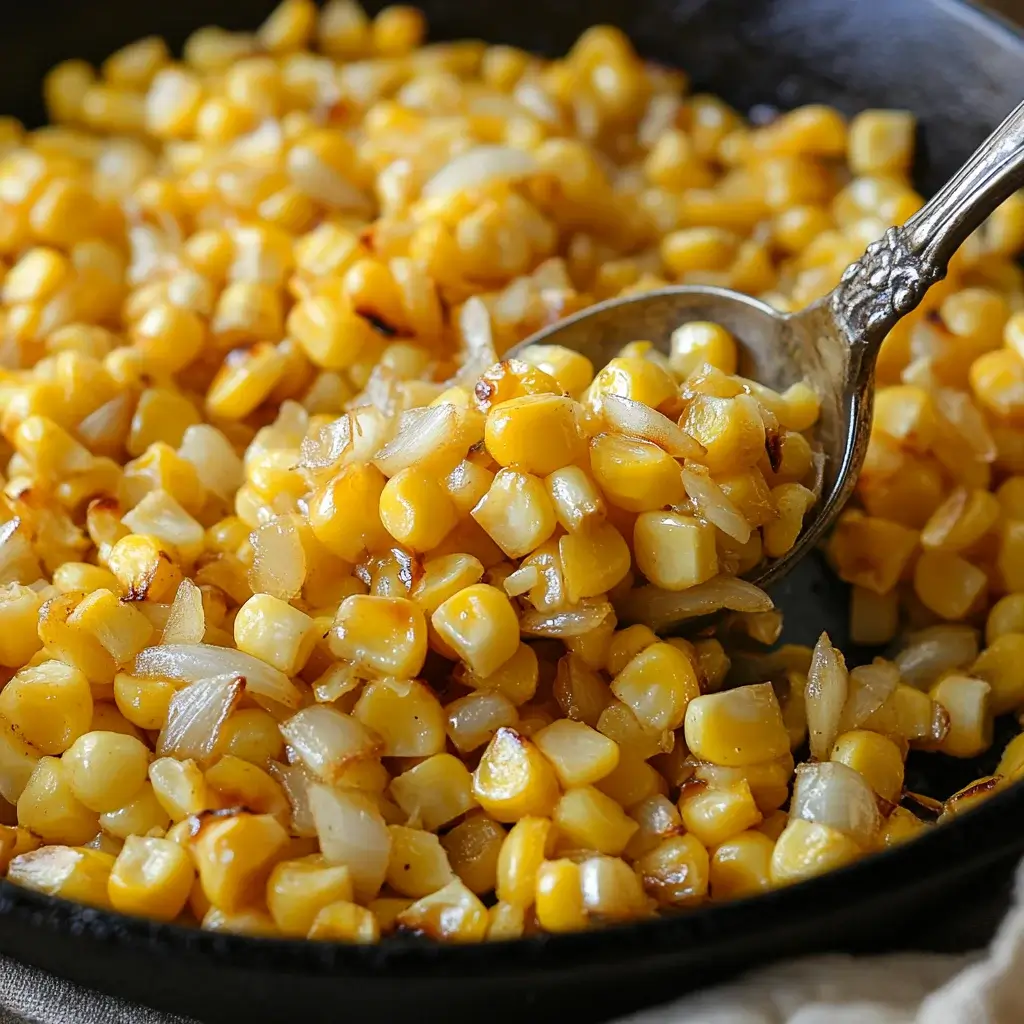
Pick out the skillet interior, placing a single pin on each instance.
(959, 72)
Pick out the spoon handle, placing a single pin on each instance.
(890, 279)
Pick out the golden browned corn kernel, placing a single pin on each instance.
(473, 849)
(715, 815)
(736, 727)
(675, 872)
(876, 757)
(870, 552)
(381, 635)
(343, 921)
(481, 627)
(808, 848)
(514, 779)
(49, 808)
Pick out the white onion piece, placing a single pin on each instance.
(830, 793)
(869, 687)
(478, 167)
(195, 716)
(18, 561)
(295, 781)
(218, 465)
(316, 179)
(663, 608)
(477, 337)
(186, 620)
(575, 621)
(713, 504)
(825, 697)
(937, 649)
(108, 425)
(474, 719)
(328, 446)
(630, 417)
(522, 580)
(279, 559)
(430, 433)
(352, 832)
(327, 741)
(192, 662)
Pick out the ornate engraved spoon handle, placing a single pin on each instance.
(890, 279)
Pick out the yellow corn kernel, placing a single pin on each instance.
(405, 714)
(49, 704)
(120, 629)
(626, 644)
(658, 685)
(252, 735)
(996, 380)
(741, 866)
(900, 826)
(576, 500)
(675, 872)
(697, 249)
(418, 864)
(344, 513)
(151, 877)
(237, 783)
(635, 475)
(731, 429)
(808, 848)
(453, 913)
(106, 769)
(594, 560)
(288, 27)
(19, 613)
(520, 859)
(332, 337)
(999, 665)
(144, 702)
(948, 584)
(534, 433)
(968, 703)
(514, 779)
(180, 787)
(590, 820)
(792, 502)
(416, 510)
(297, 890)
(1005, 616)
(881, 142)
(473, 849)
(343, 921)
(444, 577)
(674, 551)
(235, 855)
(736, 727)
(435, 792)
(467, 484)
(516, 512)
(74, 874)
(385, 636)
(516, 679)
(870, 552)
(64, 87)
(473, 720)
(272, 630)
(559, 897)
(243, 922)
(715, 815)
(572, 370)
(82, 576)
(701, 342)
(579, 754)
(1010, 559)
(142, 815)
(876, 757)
(49, 808)
(1012, 759)
(480, 625)
(172, 103)
(961, 520)
(634, 377)
(144, 568)
(245, 380)
(169, 337)
(35, 277)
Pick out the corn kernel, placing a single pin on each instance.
(343, 921)
(736, 727)
(741, 866)
(876, 757)
(416, 510)
(405, 714)
(49, 808)
(474, 848)
(514, 779)
(808, 848)
(105, 769)
(968, 702)
(435, 792)
(480, 625)
(716, 815)
(590, 820)
(74, 874)
(151, 877)
(635, 475)
(675, 872)
(516, 512)
(50, 705)
(418, 864)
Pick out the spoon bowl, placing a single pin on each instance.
(834, 342)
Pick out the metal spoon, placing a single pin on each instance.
(834, 342)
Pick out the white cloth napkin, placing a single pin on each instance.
(986, 987)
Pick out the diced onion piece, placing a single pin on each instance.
(478, 167)
(186, 620)
(192, 662)
(825, 697)
(432, 436)
(18, 561)
(279, 559)
(661, 609)
(522, 580)
(831, 793)
(217, 464)
(870, 686)
(327, 741)
(713, 504)
(931, 652)
(321, 182)
(295, 780)
(630, 417)
(574, 621)
(352, 832)
(328, 446)
(195, 716)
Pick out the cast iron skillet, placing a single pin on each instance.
(960, 72)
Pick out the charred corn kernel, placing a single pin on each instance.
(434, 792)
(658, 685)
(715, 815)
(636, 378)
(480, 625)
(272, 630)
(106, 769)
(870, 552)
(741, 866)
(235, 855)
(416, 510)
(876, 757)
(473, 849)
(144, 702)
(19, 613)
(73, 874)
(675, 872)
(808, 848)
(49, 808)
(881, 141)
(968, 703)
(405, 714)
(948, 584)
(572, 370)
(516, 512)
(385, 636)
(900, 826)
(514, 779)
(701, 342)
(588, 819)
(343, 921)
(1005, 616)
(594, 560)
(535, 433)
(237, 783)
(418, 864)
(736, 727)
(252, 735)
(49, 704)
(121, 630)
(731, 429)
(179, 786)
(999, 665)
(874, 618)
(151, 877)
(674, 551)
(635, 475)
(145, 568)
(579, 754)
(297, 890)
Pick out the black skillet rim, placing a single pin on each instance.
(980, 836)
